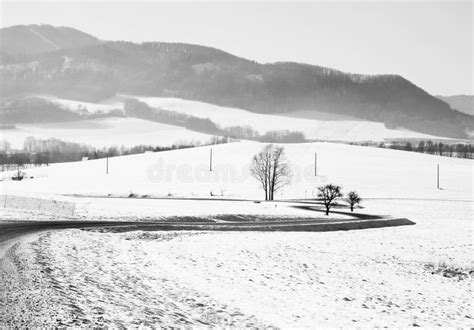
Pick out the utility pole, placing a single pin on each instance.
(315, 164)
(210, 161)
(438, 176)
(107, 165)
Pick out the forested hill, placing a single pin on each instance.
(22, 40)
(100, 69)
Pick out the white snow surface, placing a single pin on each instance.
(152, 209)
(335, 130)
(105, 132)
(373, 172)
(315, 125)
(364, 278)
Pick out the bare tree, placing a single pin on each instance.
(353, 199)
(328, 194)
(271, 168)
(4, 145)
(20, 160)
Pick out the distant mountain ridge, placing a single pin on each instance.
(463, 103)
(23, 40)
(97, 70)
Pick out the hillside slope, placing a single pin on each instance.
(106, 132)
(23, 40)
(239, 123)
(95, 72)
(329, 129)
(463, 103)
(373, 172)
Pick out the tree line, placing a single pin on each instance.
(213, 76)
(135, 108)
(457, 150)
(45, 151)
(37, 110)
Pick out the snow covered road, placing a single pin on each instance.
(375, 277)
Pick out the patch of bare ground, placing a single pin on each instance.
(449, 271)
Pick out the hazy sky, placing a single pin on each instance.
(429, 43)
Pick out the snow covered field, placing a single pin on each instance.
(315, 125)
(373, 172)
(331, 128)
(148, 209)
(366, 278)
(106, 132)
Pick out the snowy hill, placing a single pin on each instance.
(106, 132)
(74, 65)
(332, 127)
(314, 125)
(34, 39)
(375, 173)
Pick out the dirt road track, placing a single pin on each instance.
(13, 229)
(9, 230)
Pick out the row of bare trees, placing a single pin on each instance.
(456, 150)
(136, 108)
(272, 169)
